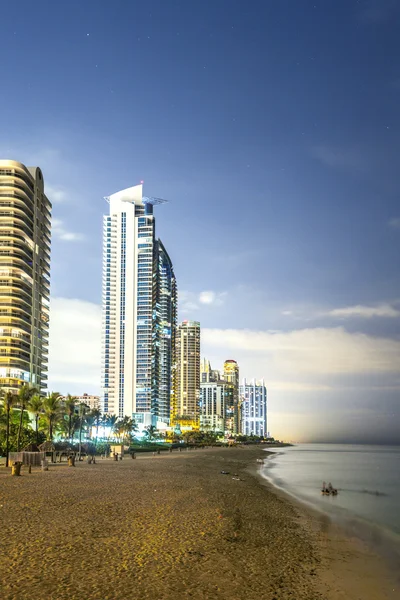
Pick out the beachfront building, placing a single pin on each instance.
(185, 410)
(231, 375)
(216, 400)
(93, 402)
(165, 314)
(207, 373)
(25, 230)
(253, 396)
(213, 396)
(139, 311)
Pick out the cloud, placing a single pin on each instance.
(75, 345)
(296, 386)
(313, 375)
(304, 359)
(58, 230)
(292, 356)
(342, 158)
(187, 307)
(56, 195)
(210, 297)
(191, 301)
(394, 223)
(187, 302)
(365, 312)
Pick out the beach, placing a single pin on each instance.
(169, 526)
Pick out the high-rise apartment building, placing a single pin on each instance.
(185, 408)
(213, 405)
(25, 231)
(207, 373)
(253, 397)
(216, 400)
(93, 402)
(139, 311)
(165, 311)
(231, 375)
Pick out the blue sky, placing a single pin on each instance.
(273, 129)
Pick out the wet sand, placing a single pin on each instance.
(172, 526)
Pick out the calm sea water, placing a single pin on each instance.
(367, 477)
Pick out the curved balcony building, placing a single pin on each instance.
(25, 214)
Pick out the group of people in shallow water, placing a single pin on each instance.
(328, 490)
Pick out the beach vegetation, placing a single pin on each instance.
(35, 408)
(25, 393)
(151, 433)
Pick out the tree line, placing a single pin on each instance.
(27, 417)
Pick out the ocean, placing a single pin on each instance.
(367, 479)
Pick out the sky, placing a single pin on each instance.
(273, 130)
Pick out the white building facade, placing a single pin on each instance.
(212, 405)
(93, 402)
(253, 399)
(135, 278)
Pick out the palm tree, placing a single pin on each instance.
(89, 422)
(188, 437)
(35, 406)
(110, 421)
(126, 427)
(96, 414)
(69, 406)
(9, 400)
(25, 393)
(151, 432)
(52, 410)
(119, 429)
(82, 413)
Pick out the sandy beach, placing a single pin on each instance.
(172, 526)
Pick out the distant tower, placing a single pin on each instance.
(164, 332)
(254, 407)
(25, 231)
(185, 410)
(139, 311)
(231, 375)
(213, 396)
(207, 373)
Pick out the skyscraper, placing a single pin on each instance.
(231, 375)
(216, 400)
(165, 312)
(25, 231)
(185, 408)
(139, 311)
(207, 373)
(253, 407)
(212, 405)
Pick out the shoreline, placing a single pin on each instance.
(378, 539)
(143, 528)
(348, 557)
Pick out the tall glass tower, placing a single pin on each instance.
(231, 375)
(139, 311)
(253, 396)
(25, 226)
(165, 313)
(185, 409)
